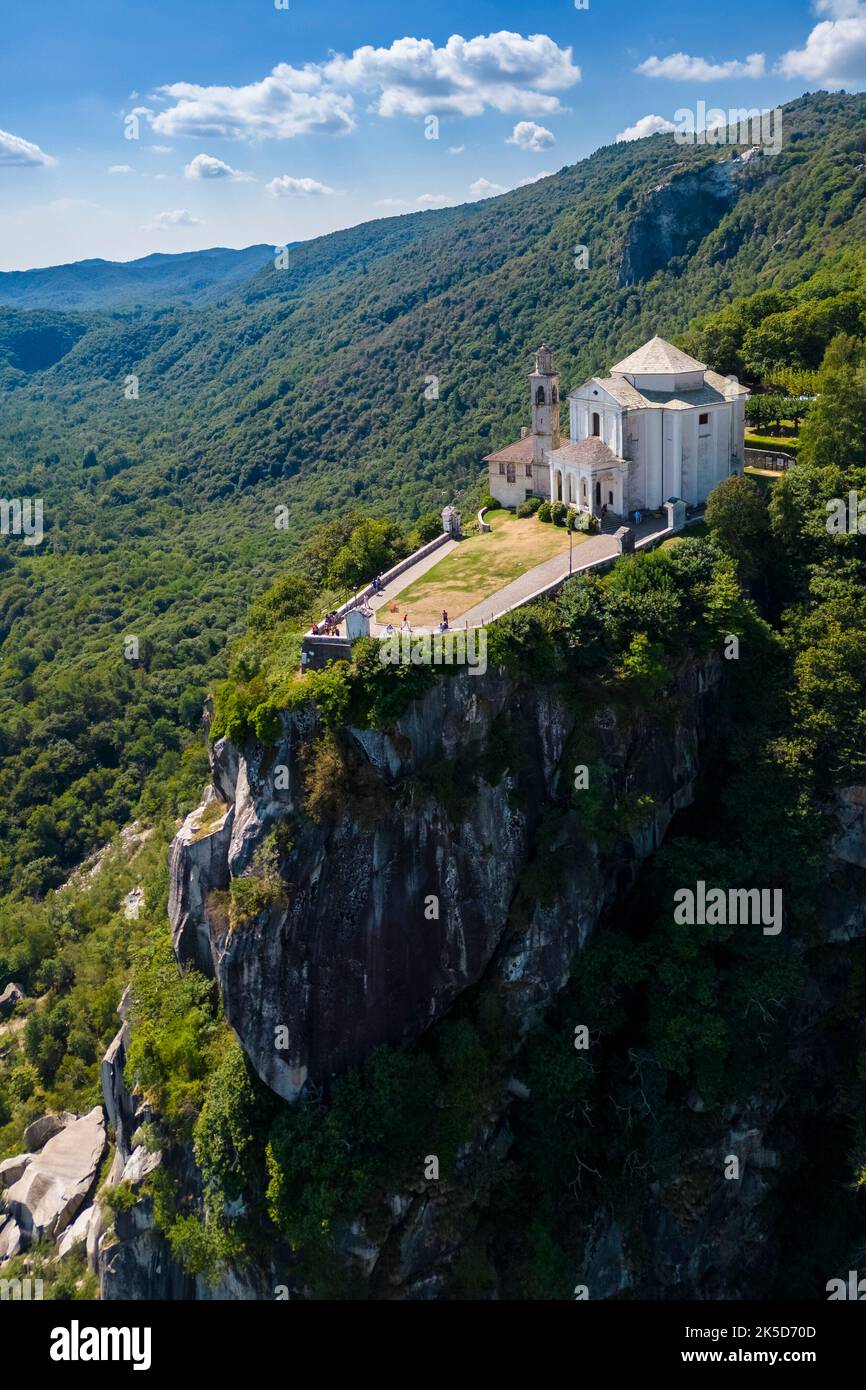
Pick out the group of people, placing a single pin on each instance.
(407, 627)
(328, 627)
(390, 629)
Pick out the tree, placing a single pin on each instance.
(290, 597)
(738, 519)
(372, 547)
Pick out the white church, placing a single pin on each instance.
(660, 425)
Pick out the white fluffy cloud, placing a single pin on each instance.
(533, 178)
(287, 187)
(483, 188)
(288, 102)
(433, 200)
(834, 54)
(207, 166)
(681, 67)
(179, 218)
(647, 125)
(503, 71)
(838, 9)
(529, 136)
(120, 169)
(16, 151)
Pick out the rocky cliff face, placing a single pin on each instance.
(411, 885)
(679, 213)
(413, 888)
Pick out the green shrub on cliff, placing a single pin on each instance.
(175, 1034)
(329, 1162)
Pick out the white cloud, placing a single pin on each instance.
(834, 54)
(179, 218)
(207, 166)
(533, 178)
(120, 169)
(838, 9)
(681, 67)
(161, 149)
(483, 188)
(647, 125)
(456, 149)
(290, 101)
(529, 136)
(502, 71)
(14, 150)
(433, 200)
(287, 187)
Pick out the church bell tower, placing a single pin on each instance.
(544, 385)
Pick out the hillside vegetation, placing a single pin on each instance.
(305, 388)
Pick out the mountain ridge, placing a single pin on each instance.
(97, 283)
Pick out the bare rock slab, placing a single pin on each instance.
(37, 1134)
(56, 1181)
(12, 1168)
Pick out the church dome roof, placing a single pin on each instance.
(658, 358)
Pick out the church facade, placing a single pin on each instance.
(660, 425)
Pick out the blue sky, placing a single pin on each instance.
(259, 124)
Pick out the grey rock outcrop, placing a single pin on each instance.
(11, 1169)
(391, 908)
(56, 1181)
(11, 1239)
(201, 846)
(680, 211)
(78, 1233)
(10, 996)
(37, 1134)
(119, 1104)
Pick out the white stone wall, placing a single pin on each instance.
(670, 453)
(611, 417)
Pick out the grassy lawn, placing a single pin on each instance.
(479, 567)
(786, 444)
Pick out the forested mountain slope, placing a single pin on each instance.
(190, 276)
(306, 388)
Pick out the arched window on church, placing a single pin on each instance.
(598, 494)
(554, 396)
(583, 494)
(596, 423)
(539, 396)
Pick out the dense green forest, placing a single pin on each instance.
(305, 389)
(189, 277)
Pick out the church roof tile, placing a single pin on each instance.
(592, 453)
(521, 451)
(658, 357)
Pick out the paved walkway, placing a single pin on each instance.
(390, 592)
(601, 547)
